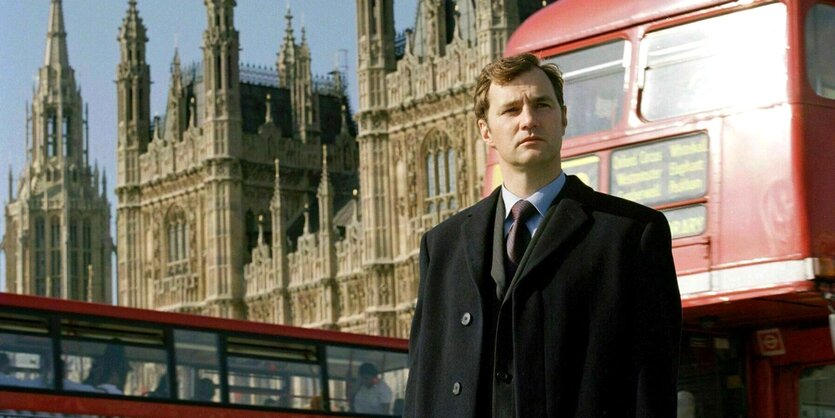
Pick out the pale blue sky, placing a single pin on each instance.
(92, 27)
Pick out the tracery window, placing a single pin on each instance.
(51, 135)
(177, 233)
(440, 174)
(55, 255)
(65, 138)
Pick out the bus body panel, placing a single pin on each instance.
(753, 280)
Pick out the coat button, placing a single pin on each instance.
(466, 319)
(456, 388)
(504, 377)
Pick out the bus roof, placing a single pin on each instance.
(571, 20)
(194, 321)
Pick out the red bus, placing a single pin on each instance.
(721, 114)
(76, 358)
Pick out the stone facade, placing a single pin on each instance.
(57, 240)
(192, 185)
(421, 161)
(324, 253)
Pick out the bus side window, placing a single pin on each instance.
(113, 358)
(367, 381)
(198, 365)
(820, 55)
(274, 373)
(594, 86)
(25, 352)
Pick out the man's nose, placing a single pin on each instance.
(527, 119)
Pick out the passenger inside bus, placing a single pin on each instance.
(108, 373)
(374, 395)
(161, 391)
(282, 399)
(205, 390)
(7, 379)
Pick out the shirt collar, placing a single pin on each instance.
(541, 199)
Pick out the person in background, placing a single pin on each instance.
(161, 391)
(109, 372)
(374, 395)
(205, 390)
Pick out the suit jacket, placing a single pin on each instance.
(589, 326)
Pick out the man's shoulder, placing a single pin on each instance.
(454, 222)
(604, 204)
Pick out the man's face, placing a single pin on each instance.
(525, 123)
(367, 380)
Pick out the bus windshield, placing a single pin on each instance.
(736, 59)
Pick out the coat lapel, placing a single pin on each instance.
(565, 217)
(477, 230)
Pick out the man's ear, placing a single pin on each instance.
(564, 118)
(484, 130)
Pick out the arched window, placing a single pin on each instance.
(55, 255)
(441, 176)
(40, 256)
(177, 236)
(65, 136)
(51, 136)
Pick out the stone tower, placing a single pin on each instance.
(199, 187)
(133, 89)
(421, 159)
(57, 239)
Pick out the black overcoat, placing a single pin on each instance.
(590, 326)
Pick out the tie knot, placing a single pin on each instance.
(522, 210)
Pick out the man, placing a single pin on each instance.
(571, 311)
(374, 395)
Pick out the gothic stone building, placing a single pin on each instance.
(421, 160)
(57, 240)
(196, 187)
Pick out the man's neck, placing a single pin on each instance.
(525, 183)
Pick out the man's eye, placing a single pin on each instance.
(544, 105)
(510, 110)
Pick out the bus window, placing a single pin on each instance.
(820, 55)
(711, 372)
(25, 351)
(367, 381)
(729, 60)
(594, 86)
(817, 392)
(274, 373)
(198, 366)
(111, 357)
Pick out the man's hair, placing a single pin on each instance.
(506, 70)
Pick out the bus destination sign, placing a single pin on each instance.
(661, 172)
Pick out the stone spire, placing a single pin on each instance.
(175, 111)
(56, 170)
(279, 248)
(11, 184)
(327, 236)
(56, 38)
(286, 64)
(57, 109)
(268, 118)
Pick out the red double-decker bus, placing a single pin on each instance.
(722, 115)
(74, 358)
